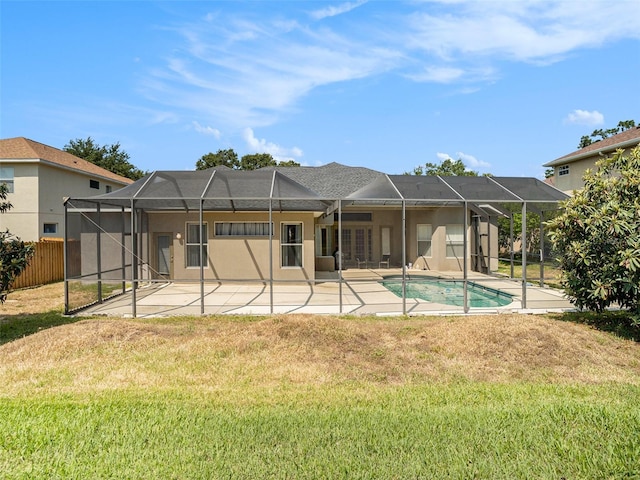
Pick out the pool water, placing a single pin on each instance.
(450, 292)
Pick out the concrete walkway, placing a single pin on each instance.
(361, 294)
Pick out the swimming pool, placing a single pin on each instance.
(449, 292)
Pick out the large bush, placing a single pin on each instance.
(598, 237)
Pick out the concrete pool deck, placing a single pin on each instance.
(362, 294)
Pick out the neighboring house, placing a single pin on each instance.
(569, 169)
(39, 178)
(376, 220)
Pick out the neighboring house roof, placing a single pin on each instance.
(21, 148)
(626, 139)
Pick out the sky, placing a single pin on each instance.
(505, 86)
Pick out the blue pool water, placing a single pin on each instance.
(449, 292)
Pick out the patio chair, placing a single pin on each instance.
(384, 261)
(361, 262)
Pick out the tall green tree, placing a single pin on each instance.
(226, 158)
(446, 168)
(257, 160)
(14, 253)
(109, 157)
(252, 161)
(600, 134)
(598, 237)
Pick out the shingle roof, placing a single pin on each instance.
(21, 148)
(332, 180)
(624, 139)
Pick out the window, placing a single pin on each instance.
(291, 244)
(563, 170)
(193, 244)
(50, 228)
(424, 240)
(455, 240)
(6, 177)
(108, 188)
(241, 229)
(94, 184)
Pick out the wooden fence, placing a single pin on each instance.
(46, 265)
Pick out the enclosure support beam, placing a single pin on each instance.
(123, 254)
(404, 259)
(511, 252)
(524, 254)
(465, 266)
(541, 248)
(270, 256)
(99, 252)
(340, 252)
(65, 259)
(200, 219)
(134, 256)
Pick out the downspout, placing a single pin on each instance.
(541, 248)
(511, 253)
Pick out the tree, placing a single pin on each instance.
(109, 157)
(598, 237)
(227, 158)
(447, 168)
(257, 160)
(14, 253)
(623, 125)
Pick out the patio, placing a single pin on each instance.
(361, 293)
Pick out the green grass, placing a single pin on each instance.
(552, 273)
(17, 326)
(349, 432)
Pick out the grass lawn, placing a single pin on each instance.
(287, 397)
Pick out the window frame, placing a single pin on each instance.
(7, 176)
(189, 245)
(452, 244)
(563, 170)
(291, 245)
(94, 184)
(44, 228)
(429, 240)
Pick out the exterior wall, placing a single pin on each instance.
(22, 218)
(39, 192)
(573, 181)
(438, 218)
(233, 258)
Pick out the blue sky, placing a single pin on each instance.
(504, 85)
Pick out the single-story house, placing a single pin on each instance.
(285, 224)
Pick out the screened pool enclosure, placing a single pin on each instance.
(285, 227)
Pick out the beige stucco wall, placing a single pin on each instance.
(573, 181)
(235, 258)
(39, 190)
(22, 218)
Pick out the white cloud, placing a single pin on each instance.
(276, 151)
(332, 11)
(585, 117)
(214, 132)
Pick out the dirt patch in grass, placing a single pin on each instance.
(227, 353)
